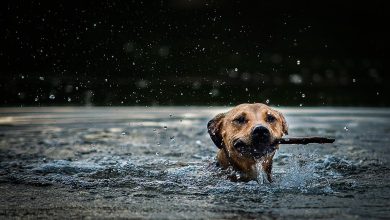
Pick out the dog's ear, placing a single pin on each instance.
(214, 129)
(284, 124)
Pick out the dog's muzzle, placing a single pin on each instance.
(261, 143)
(260, 135)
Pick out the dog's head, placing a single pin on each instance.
(248, 130)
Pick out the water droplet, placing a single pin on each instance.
(298, 62)
(300, 105)
(172, 138)
(41, 78)
(69, 99)
(198, 142)
(157, 153)
(124, 133)
(377, 93)
(353, 80)
(303, 95)
(296, 79)
(236, 69)
(36, 99)
(158, 144)
(154, 129)
(181, 93)
(267, 101)
(106, 80)
(346, 128)
(246, 89)
(165, 127)
(52, 96)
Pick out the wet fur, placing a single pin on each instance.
(223, 131)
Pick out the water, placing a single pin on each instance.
(159, 163)
(261, 176)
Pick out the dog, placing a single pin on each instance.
(246, 134)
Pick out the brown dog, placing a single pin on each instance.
(245, 134)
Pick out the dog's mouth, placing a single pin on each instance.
(256, 151)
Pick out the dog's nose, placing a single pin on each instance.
(260, 134)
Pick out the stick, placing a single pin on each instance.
(305, 140)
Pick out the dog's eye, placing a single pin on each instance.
(270, 118)
(240, 120)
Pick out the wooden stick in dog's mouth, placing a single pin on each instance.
(304, 140)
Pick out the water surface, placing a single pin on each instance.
(159, 163)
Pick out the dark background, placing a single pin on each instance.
(182, 52)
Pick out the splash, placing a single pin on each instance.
(261, 175)
(300, 173)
